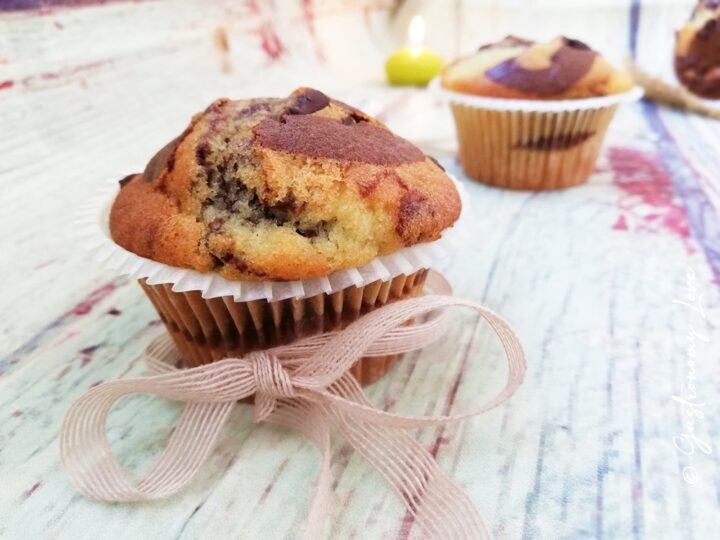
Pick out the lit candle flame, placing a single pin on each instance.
(417, 30)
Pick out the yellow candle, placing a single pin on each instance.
(413, 64)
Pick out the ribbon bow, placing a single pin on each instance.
(304, 386)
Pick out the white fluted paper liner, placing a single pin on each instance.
(94, 231)
(535, 105)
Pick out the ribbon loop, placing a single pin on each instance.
(305, 386)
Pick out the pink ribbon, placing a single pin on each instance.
(304, 386)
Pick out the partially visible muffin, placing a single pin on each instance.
(518, 68)
(282, 189)
(697, 51)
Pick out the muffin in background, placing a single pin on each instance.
(697, 51)
(518, 68)
(279, 189)
(524, 114)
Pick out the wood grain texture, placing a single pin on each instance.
(587, 276)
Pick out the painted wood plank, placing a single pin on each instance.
(589, 277)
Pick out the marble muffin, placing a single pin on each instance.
(282, 189)
(518, 68)
(697, 51)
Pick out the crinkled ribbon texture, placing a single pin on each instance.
(303, 386)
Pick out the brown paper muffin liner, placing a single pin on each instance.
(209, 329)
(536, 150)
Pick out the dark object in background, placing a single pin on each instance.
(697, 51)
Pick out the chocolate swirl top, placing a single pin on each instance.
(291, 126)
(567, 66)
(319, 137)
(282, 189)
(352, 138)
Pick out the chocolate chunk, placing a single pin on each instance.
(216, 224)
(280, 212)
(436, 162)
(567, 66)
(124, 181)
(355, 118)
(577, 44)
(353, 113)
(237, 262)
(201, 154)
(314, 231)
(217, 261)
(240, 265)
(307, 233)
(255, 106)
(217, 105)
(288, 204)
(319, 137)
(309, 102)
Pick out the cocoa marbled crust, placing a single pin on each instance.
(280, 189)
(697, 51)
(519, 68)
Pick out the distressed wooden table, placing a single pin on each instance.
(612, 288)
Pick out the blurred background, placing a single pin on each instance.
(145, 66)
(349, 39)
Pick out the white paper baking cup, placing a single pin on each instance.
(94, 232)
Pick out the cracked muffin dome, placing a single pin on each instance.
(697, 51)
(518, 68)
(281, 189)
